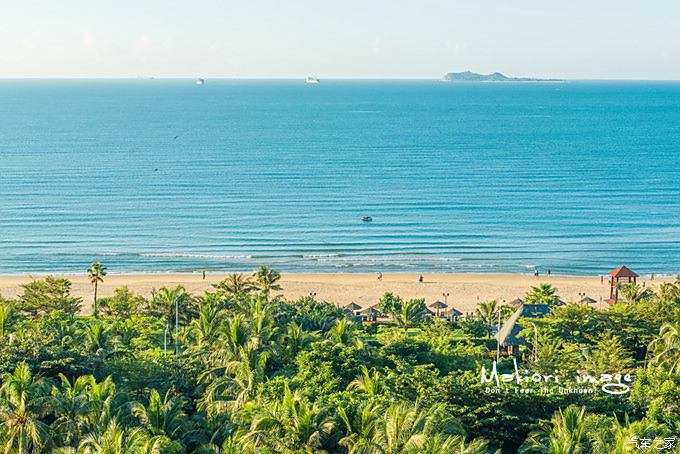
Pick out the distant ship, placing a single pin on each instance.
(200, 81)
(312, 80)
(366, 219)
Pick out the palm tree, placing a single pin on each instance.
(115, 439)
(166, 299)
(296, 339)
(235, 284)
(565, 433)
(101, 397)
(369, 382)
(361, 429)
(542, 294)
(405, 428)
(487, 311)
(206, 328)
(266, 279)
(631, 292)
(343, 332)
(410, 313)
(162, 416)
(6, 312)
(71, 407)
(231, 385)
(96, 273)
(22, 400)
(665, 349)
(97, 339)
(287, 425)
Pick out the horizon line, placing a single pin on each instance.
(149, 78)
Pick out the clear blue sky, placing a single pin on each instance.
(610, 39)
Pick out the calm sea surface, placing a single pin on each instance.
(151, 176)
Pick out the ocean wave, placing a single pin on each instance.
(194, 255)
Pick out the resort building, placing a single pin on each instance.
(507, 336)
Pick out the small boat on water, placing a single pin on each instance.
(312, 80)
(366, 219)
(200, 81)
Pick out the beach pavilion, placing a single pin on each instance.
(353, 308)
(621, 275)
(437, 307)
(370, 314)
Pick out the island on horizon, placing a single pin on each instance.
(469, 76)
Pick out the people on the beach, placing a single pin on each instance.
(203, 274)
(549, 271)
(421, 279)
(379, 275)
(536, 272)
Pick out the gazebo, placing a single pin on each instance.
(453, 314)
(438, 306)
(370, 314)
(353, 307)
(621, 274)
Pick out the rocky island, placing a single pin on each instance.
(469, 76)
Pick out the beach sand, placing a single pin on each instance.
(465, 290)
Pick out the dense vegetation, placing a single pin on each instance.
(243, 372)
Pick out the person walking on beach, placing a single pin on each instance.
(421, 279)
(203, 274)
(379, 275)
(549, 271)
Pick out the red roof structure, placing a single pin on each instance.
(618, 276)
(623, 271)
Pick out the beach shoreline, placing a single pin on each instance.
(464, 290)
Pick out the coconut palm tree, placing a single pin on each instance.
(6, 312)
(631, 292)
(296, 339)
(115, 439)
(23, 399)
(615, 437)
(369, 382)
(101, 398)
(162, 416)
(235, 284)
(487, 311)
(664, 351)
(167, 299)
(542, 294)
(96, 337)
(96, 272)
(360, 429)
(266, 279)
(565, 433)
(72, 407)
(405, 428)
(206, 328)
(287, 425)
(343, 332)
(410, 313)
(231, 385)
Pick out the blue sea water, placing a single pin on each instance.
(165, 175)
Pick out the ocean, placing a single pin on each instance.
(168, 176)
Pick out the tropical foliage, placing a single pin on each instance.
(254, 373)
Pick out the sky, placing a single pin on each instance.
(574, 39)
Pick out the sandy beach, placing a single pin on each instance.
(464, 290)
